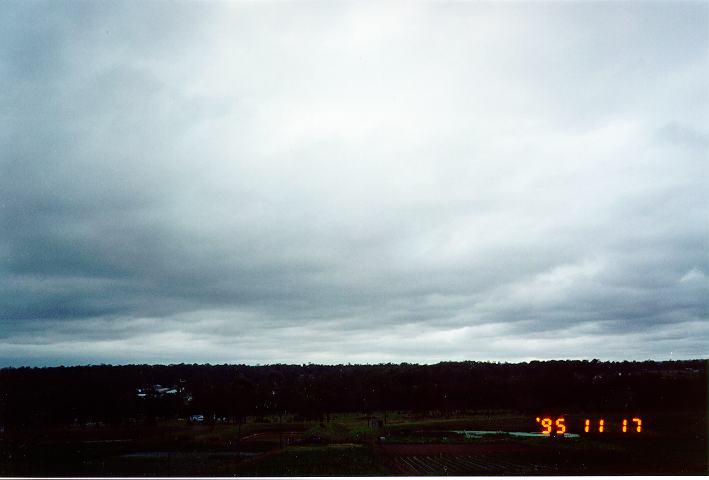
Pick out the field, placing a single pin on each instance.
(407, 444)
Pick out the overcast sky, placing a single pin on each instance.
(355, 182)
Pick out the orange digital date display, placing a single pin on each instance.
(558, 426)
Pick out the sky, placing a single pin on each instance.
(353, 182)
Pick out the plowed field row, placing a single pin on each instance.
(463, 465)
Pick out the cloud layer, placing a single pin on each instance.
(353, 182)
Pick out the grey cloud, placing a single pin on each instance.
(352, 182)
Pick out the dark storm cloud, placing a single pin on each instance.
(352, 182)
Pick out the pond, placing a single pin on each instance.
(482, 433)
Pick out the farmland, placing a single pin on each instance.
(408, 444)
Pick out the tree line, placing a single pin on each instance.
(105, 393)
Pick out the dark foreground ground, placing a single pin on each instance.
(671, 443)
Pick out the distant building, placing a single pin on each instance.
(158, 391)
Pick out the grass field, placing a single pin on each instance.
(408, 444)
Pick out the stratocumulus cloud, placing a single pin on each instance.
(353, 182)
